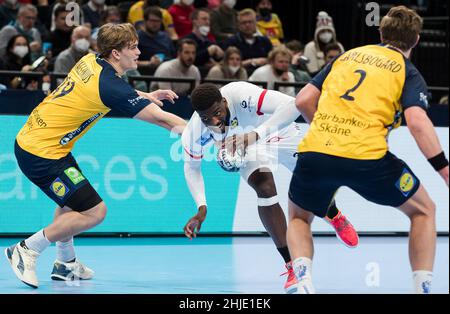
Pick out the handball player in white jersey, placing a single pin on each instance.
(237, 119)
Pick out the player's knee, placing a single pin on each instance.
(427, 210)
(265, 190)
(96, 215)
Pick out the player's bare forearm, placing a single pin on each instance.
(423, 131)
(155, 115)
(307, 101)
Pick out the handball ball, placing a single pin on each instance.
(229, 162)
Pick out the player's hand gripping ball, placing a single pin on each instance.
(229, 162)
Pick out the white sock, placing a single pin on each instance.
(37, 242)
(302, 267)
(422, 281)
(65, 251)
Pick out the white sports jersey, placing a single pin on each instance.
(248, 105)
(251, 109)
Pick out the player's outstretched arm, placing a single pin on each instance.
(307, 101)
(423, 131)
(194, 179)
(155, 115)
(158, 95)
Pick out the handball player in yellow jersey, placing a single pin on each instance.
(353, 104)
(43, 147)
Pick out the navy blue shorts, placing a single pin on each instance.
(317, 177)
(62, 180)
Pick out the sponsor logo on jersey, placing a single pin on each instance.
(136, 100)
(204, 140)
(74, 175)
(234, 123)
(70, 136)
(59, 188)
(406, 183)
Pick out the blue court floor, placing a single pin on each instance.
(229, 265)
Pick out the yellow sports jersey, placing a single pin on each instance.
(136, 15)
(363, 94)
(90, 90)
(272, 29)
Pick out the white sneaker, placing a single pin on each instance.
(304, 285)
(23, 263)
(71, 271)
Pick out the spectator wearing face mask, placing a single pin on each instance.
(230, 68)
(81, 37)
(181, 14)
(16, 58)
(136, 16)
(224, 20)
(92, 12)
(25, 26)
(276, 71)
(208, 53)
(315, 50)
(8, 12)
(268, 23)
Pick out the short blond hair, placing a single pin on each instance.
(115, 36)
(280, 50)
(246, 12)
(400, 27)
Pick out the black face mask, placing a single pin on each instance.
(265, 12)
(279, 72)
(151, 3)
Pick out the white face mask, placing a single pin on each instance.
(204, 30)
(230, 3)
(326, 37)
(188, 2)
(82, 45)
(20, 51)
(233, 70)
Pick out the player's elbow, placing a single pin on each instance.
(417, 120)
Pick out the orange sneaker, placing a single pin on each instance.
(344, 230)
(291, 282)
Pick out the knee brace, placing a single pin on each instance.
(266, 202)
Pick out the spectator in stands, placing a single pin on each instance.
(93, 11)
(224, 21)
(24, 25)
(79, 19)
(276, 71)
(181, 67)
(8, 12)
(315, 50)
(16, 58)
(298, 65)
(181, 14)
(213, 4)
(136, 16)
(208, 53)
(81, 37)
(269, 24)
(154, 44)
(254, 48)
(60, 38)
(230, 68)
(331, 51)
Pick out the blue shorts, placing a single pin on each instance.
(317, 177)
(61, 179)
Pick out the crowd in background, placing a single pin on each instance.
(177, 38)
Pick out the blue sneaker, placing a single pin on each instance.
(71, 271)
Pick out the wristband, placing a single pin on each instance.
(438, 162)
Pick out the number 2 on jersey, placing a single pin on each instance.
(347, 96)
